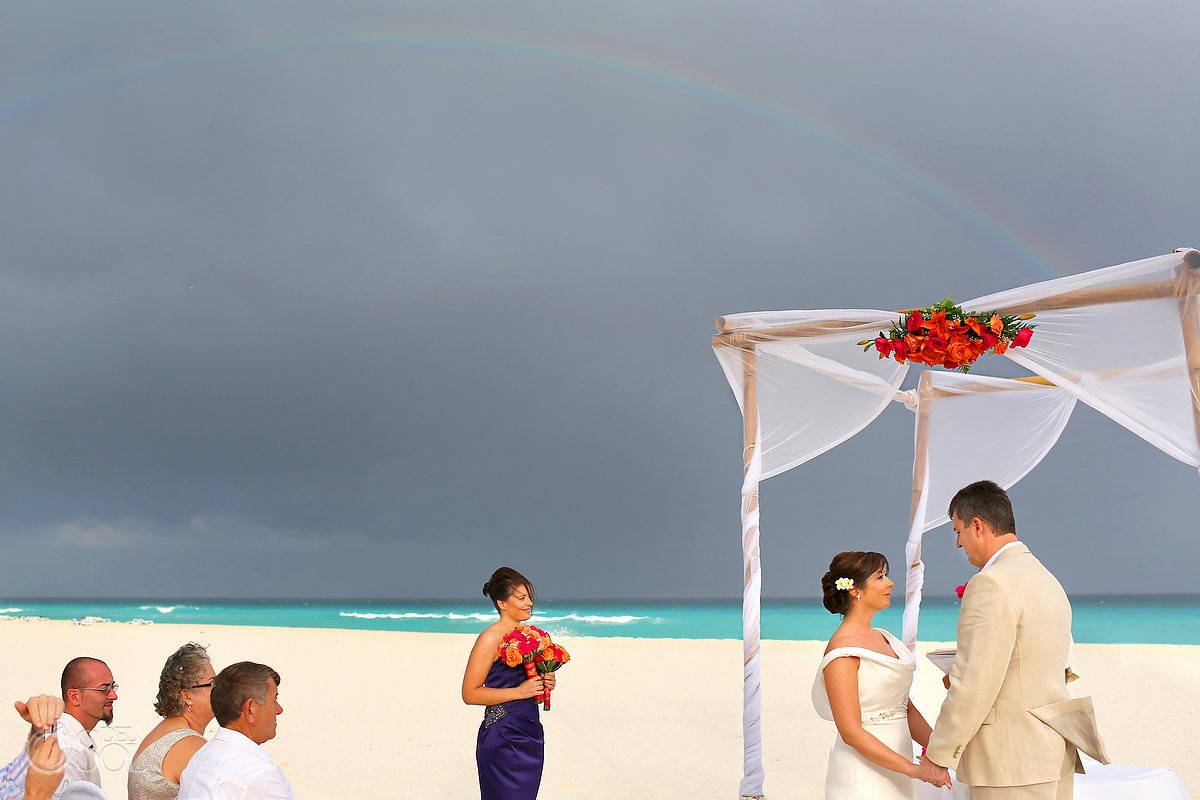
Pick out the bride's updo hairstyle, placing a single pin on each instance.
(858, 566)
(503, 583)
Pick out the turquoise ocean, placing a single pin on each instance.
(1167, 619)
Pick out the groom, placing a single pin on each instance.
(1014, 631)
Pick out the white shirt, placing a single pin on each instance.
(80, 750)
(232, 767)
(996, 555)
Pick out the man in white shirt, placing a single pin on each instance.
(233, 765)
(89, 694)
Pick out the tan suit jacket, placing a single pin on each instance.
(1014, 632)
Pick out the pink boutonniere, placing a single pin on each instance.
(960, 590)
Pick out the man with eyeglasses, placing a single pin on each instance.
(89, 693)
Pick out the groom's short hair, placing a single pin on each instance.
(986, 500)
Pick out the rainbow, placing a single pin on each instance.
(680, 79)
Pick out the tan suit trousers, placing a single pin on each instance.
(1061, 789)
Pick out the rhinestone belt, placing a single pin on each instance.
(895, 712)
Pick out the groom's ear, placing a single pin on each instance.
(978, 526)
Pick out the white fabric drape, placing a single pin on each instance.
(752, 766)
(1014, 422)
(1125, 359)
(813, 393)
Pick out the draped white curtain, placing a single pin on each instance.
(817, 391)
(1125, 340)
(1014, 422)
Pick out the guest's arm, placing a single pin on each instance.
(45, 768)
(474, 693)
(841, 684)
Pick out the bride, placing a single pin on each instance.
(862, 686)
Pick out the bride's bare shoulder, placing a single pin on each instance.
(840, 639)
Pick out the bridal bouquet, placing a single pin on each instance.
(944, 335)
(531, 646)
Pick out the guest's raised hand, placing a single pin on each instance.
(41, 711)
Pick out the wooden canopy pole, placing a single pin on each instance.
(921, 446)
(1188, 274)
(752, 759)
(914, 577)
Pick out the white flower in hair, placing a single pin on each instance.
(844, 584)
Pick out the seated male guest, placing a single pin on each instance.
(245, 701)
(89, 694)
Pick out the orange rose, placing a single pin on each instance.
(996, 324)
(913, 346)
(959, 349)
(1001, 347)
(934, 350)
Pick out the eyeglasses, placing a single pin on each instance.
(106, 688)
(201, 685)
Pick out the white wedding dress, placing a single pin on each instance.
(883, 687)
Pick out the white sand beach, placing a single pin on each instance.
(377, 714)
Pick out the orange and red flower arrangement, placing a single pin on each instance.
(944, 335)
(531, 646)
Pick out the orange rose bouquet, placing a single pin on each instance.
(531, 646)
(944, 335)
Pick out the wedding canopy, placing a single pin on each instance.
(1125, 340)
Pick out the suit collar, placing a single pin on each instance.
(1010, 549)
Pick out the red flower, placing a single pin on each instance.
(959, 590)
(914, 322)
(1022, 338)
(884, 346)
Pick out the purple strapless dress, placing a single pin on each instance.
(510, 747)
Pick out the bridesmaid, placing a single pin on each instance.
(510, 747)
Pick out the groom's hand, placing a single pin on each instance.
(932, 773)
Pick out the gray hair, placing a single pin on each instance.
(237, 682)
(183, 668)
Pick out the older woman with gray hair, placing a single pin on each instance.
(184, 702)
